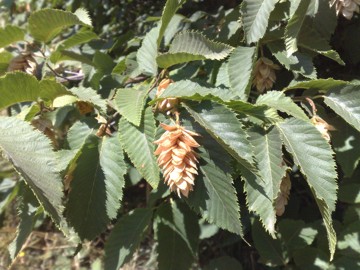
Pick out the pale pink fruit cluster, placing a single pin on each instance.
(283, 195)
(177, 158)
(167, 105)
(346, 7)
(23, 62)
(264, 74)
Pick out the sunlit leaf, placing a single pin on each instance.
(45, 24)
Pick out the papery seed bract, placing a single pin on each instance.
(177, 158)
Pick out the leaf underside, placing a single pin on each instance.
(18, 142)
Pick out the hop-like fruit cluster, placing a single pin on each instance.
(283, 195)
(177, 158)
(24, 62)
(322, 126)
(346, 7)
(264, 74)
(167, 105)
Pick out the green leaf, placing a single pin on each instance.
(83, 16)
(351, 214)
(65, 158)
(167, 60)
(224, 262)
(279, 101)
(9, 190)
(76, 138)
(311, 258)
(294, 25)
(222, 124)
(196, 43)
(176, 228)
(240, 69)
(18, 87)
(309, 38)
(28, 211)
(89, 95)
(325, 20)
(295, 234)
(349, 193)
(86, 201)
(175, 24)
(344, 263)
(222, 77)
(29, 113)
(346, 143)
(45, 24)
(297, 62)
(114, 167)
(170, 8)
(5, 58)
(319, 84)
(214, 196)
(50, 89)
(65, 55)
(326, 212)
(255, 17)
(96, 187)
(129, 103)
(138, 144)
(269, 249)
(18, 142)
(120, 68)
(315, 158)
(190, 46)
(103, 63)
(78, 38)
(348, 244)
(256, 112)
(10, 34)
(193, 91)
(268, 154)
(6, 170)
(147, 53)
(126, 237)
(78, 134)
(345, 101)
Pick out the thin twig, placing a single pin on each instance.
(135, 80)
(312, 104)
(56, 73)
